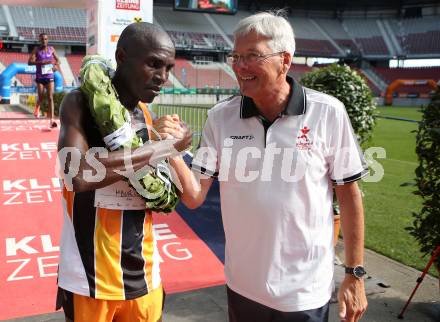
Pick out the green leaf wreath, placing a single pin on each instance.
(112, 117)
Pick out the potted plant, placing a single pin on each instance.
(426, 224)
(351, 89)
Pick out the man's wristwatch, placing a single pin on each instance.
(357, 271)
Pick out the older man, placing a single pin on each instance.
(279, 150)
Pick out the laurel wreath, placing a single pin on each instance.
(114, 124)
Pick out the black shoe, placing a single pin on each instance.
(53, 125)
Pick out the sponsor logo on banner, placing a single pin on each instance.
(29, 191)
(27, 151)
(187, 263)
(30, 69)
(122, 22)
(30, 257)
(128, 5)
(36, 256)
(23, 89)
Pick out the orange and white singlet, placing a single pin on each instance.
(107, 254)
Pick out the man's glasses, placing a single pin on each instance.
(251, 58)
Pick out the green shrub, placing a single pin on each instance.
(351, 89)
(57, 98)
(426, 225)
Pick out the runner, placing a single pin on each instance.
(47, 62)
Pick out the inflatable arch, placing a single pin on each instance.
(100, 31)
(21, 68)
(405, 82)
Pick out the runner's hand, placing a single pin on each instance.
(167, 127)
(184, 143)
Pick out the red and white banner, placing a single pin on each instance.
(106, 20)
(31, 219)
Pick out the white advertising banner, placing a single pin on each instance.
(107, 18)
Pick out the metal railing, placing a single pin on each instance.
(193, 116)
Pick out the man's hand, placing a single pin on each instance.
(184, 143)
(352, 299)
(168, 127)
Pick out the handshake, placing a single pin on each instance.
(170, 127)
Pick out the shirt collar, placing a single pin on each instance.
(296, 106)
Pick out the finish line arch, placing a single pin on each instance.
(405, 82)
(21, 68)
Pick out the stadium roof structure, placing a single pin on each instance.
(339, 4)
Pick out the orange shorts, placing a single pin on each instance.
(78, 308)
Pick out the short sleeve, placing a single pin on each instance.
(346, 160)
(205, 159)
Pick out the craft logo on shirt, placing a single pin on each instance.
(303, 142)
(242, 137)
(128, 4)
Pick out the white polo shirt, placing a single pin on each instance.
(276, 193)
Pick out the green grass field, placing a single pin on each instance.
(388, 205)
(413, 113)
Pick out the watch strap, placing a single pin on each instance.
(357, 271)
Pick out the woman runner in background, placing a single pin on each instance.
(47, 62)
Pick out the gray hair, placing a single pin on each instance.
(272, 25)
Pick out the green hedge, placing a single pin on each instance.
(351, 89)
(426, 225)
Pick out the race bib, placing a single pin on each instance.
(47, 69)
(119, 196)
(119, 137)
